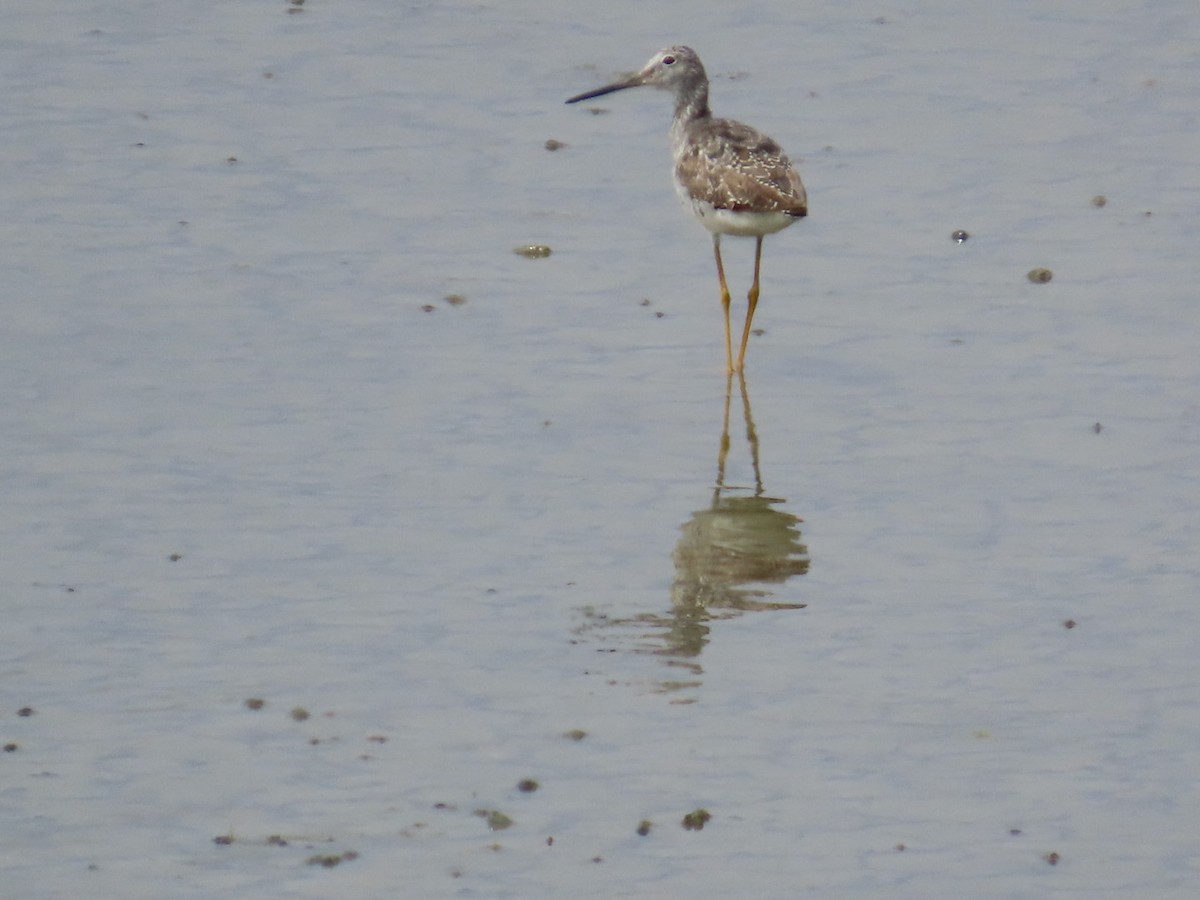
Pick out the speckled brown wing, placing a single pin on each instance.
(734, 167)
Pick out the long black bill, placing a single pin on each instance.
(607, 89)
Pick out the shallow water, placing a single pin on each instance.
(926, 623)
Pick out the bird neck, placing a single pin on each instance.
(691, 106)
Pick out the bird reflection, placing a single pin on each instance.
(729, 555)
(733, 549)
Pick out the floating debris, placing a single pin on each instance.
(1099, 200)
(696, 819)
(959, 236)
(532, 251)
(553, 145)
(254, 702)
(299, 713)
(455, 299)
(1039, 275)
(644, 827)
(527, 785)
(575, 734)
(496, 820)
(329, 860)
(1052, 858)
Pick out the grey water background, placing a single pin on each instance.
(250, 450)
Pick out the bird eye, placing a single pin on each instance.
(668, 60)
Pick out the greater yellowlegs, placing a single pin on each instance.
(735, 179)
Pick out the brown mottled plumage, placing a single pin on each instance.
(735, 179)
(732, 166)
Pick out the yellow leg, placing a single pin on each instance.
(724, 303)
(752, 300)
